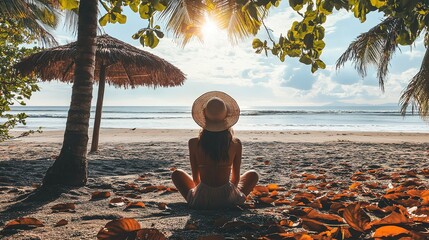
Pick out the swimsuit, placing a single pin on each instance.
(204, 196)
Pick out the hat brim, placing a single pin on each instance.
(232, 116)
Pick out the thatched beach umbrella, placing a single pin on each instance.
(116, 62)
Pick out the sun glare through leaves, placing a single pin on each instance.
(210, 31)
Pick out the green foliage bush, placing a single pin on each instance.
(14, 89)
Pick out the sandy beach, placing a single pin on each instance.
(130, 161)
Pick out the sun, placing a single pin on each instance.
(209, 30)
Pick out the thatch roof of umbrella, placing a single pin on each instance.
(127, 66)
(116, 63)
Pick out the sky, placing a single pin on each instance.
(253, 79)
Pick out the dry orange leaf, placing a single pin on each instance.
(304, 197)
(313, 225)
(272, 187)
(60, 223)
(261, 189)
(389, 231)
(356, 217)
(135, 205)
(330, 218)
(422, 210)
(309, 177)
(266, 200)
(119, 229)
(132, 195)
(280, 202)
(171, 189)
(341, 232)
(99, 195)
(338, 207)
(398, 216)
(372, 185)
(23, 223)
(150, 234)
(64, 207)
(291, 222)
(354, 186)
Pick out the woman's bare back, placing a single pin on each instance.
(214, 173)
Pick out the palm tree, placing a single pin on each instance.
(70, 168)
(376, 47)
(33, 15)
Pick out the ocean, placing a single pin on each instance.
(323, 118)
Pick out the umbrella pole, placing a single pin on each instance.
(98, 111)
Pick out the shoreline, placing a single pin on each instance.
(122, 135)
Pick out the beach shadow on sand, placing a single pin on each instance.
(18, 175)
(230, 222)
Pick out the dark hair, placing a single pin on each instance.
(216, 144)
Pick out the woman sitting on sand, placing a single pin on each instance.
(215, 157)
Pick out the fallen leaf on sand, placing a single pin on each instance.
(64, 207)
(119, 229)
(135, 205)
(23, 223)
(150, 234)
(60, 223)
(356, 217)
(314, 225)
(132, 195)
(266, 200)
(260, 189)
(99, 195)
(395, 232)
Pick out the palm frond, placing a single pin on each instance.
(45, 14)
(375, 47)
(184, 18)
(13, 8)
(45, 37)
(417, 91)
(34, 15)
(239, 24)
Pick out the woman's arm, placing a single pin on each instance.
(235, 177)
(193, 145)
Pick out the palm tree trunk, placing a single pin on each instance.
(71, 167)
(98, 111)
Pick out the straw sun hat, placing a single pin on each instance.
(215, 111)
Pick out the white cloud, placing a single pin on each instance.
(333, 19)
